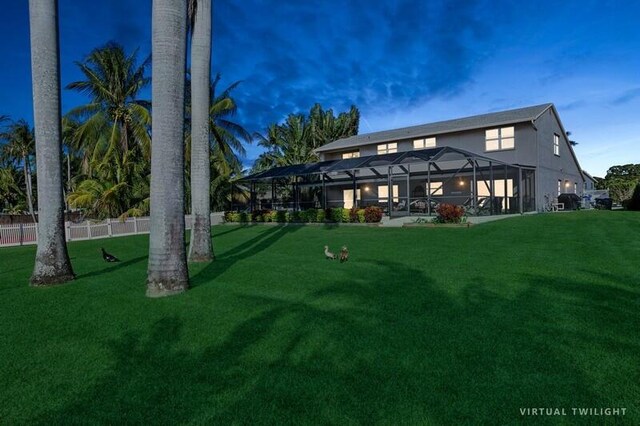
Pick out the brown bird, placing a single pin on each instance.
(344, 254)
(328, 254)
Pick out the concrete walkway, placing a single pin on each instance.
(474, 220)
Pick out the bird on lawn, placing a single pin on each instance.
(109, 257)
(344, 254)
(328, 254)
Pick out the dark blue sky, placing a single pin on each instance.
(400, 62)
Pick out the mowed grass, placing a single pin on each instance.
(420, 326)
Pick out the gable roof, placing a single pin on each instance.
(468, 123)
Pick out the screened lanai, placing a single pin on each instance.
(402, 183)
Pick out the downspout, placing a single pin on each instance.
(537, 172)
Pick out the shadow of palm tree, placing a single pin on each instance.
(241, 252)
(388, 346)
(114, 267)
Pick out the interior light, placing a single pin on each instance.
(461, 183)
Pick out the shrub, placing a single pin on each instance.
(449, 213)
(231, 217)
(321, 215)
(309, 215)
(259, 215)
(356, 215)
(270, 216)
(282, 216)
(372, 214)
(295, 217)
(336, 215)
(634, 201)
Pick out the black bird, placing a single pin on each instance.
(109, 257)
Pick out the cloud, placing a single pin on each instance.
(371, 54)
(626, 97)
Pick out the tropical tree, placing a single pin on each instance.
(19, 150)
(11, 192)
(111, 135)
(52, 264)
(295, 140)
(226, 139)
(115, 121)
(200, 248)
(167, 269)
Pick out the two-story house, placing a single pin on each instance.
(510, 161)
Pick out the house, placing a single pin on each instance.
(503, 162)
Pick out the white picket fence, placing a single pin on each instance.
(27, 233)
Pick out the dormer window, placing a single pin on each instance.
(424, 143)
(500, 139)
(387, 148)
(350, 154)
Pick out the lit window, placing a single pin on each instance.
(556, 145)
(353, 154)
(499, 139)
(383, 193)
(435, 189)
(387, 148)
(424, 143)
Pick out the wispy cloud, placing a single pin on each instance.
(626, 97)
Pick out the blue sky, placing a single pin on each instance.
(401, 62)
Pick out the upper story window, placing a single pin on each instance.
(556, 144)
(499, 139)
(387, 148)
(424, 143)
(352, 154)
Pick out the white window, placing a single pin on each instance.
(559, 186)
(435, 189)
(499, 139)
(424, 143)
(347, 197)
(556, 145)
(387, 148)
(575, 187)
(353, 154)
(383, 193)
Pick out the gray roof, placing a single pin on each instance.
(468, 123)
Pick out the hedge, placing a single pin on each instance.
(370, 214)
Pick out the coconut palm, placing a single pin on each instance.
(200, 248)
(19, 150)
(115, 123)
(167, 270)
(52, 265)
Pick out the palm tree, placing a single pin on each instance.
(52, 265)
(295, 141)
(200, 249)
(167, 270)
(19, 149)
(115, 122)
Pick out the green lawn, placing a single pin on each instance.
(421, 326)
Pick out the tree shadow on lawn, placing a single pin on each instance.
(389, 346)
(114, 267)
(243, 251)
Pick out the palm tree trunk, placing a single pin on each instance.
(52, 264)
(200, 249)
(28, 182)
(167, 270)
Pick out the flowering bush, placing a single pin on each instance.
(372, 214)
(449, 213)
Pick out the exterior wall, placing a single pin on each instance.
(533, 147)
(551, 167)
